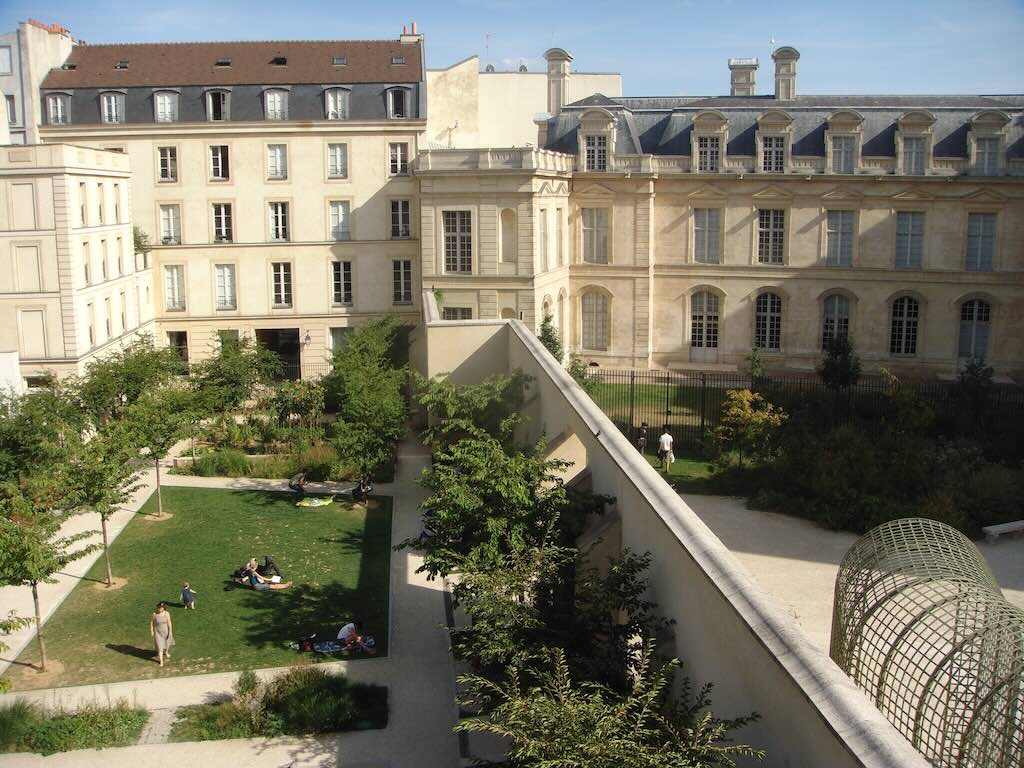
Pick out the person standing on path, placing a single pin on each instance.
(162, 632)
(665, 450)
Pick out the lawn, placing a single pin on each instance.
(688, 474)
(338, 556)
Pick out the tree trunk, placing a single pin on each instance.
(159, 499)
(106, 550)
(39, 627)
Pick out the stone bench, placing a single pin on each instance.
(993, 532)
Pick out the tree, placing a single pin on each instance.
(756, 368)
(304, 399)
(103, 476)
(229, 378)
(39, 428)
(141, 240)
(550, 338)
(747, 424)
(578, 370)
(117, 380)
(550, 721)
(840, 366)
(155, 422)
(492, 406)
(31, 547)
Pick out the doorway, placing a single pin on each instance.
(284, 342)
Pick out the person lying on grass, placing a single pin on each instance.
(261, 584)
(352, 637)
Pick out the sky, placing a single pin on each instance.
(661, 47)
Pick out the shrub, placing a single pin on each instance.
(25, 727)
(942, 506)
(992, 495)
(16, 720)
(747, 424)
(203, 722)
(228, 462)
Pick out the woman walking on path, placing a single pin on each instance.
(162, 632)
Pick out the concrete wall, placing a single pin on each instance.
(728, 631)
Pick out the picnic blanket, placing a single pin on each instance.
(315, 501)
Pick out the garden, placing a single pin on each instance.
(78, 447)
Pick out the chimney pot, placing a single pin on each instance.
(414, 28)
(405, 30)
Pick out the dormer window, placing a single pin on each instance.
(707, 141)
(914, 143)
(709, 150)
(395, 60)
(222, 63)
(596, 153)
(913, 155)
(842, 141)
(398, 103)
(218, 106)
(339, 61)
(58, 108)
(336, 104)
(773, 142)
(275, 104)
(69, 67)
(112, 107)
(165, 106)
(986, 142)
(279, 61)
(122, 64)
(773, 154)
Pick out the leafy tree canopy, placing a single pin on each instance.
(114, 382)
(229, 378)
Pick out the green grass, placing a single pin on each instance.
(26, 727)
(651, 401)
(338, 556)
(689, 473)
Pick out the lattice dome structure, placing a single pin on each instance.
(920, 624)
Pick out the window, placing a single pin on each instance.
(913, 156)
(224, 62)
(118, 251)
(12, 111)
(401, 281)
(543, 237)
(117, 203)
(341, 280)
(279, 221)
(397, 107)
(457, 313)
(595, 235)
(168, 164)
(282, 278)
(981, 237)
(458, 241)
(975, 326)
(86, 263)
(174, 287)
(399, 159)
(57, 108)
(909, 239)
(839, 239)
(225, 279)
(768, 322)
(178, 341)
(836, 320)
(277, 161)
(336, 103)
(597, 153)
(337, 161)
(107, 319)
(986, 156)
(222, 225)
(400, 219)
(339, 61)
(773, 154)
(903, 326)
(398, 59)
(104, 256)
(91, 313)
(842, 154)
(339, 216)
(122, 64)
(771, 235)
(704, 321)
(101, 198)
(112, 107)
(6, 60)
(83, 200)
(706, 229)
(217, 105)
(338, 338)
(165, 105)
(275, 105)
(279, 61)
(170, 224)
(124, 312)
(558, 237)
(219, 167)
(594, 310)
(708, 154)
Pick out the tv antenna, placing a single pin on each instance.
(487, 46)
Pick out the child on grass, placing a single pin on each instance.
(188, 596)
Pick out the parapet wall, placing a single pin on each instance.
(727, 630)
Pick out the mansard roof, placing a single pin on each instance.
(664, 125)
(184, 64)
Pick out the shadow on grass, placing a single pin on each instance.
(147, 654)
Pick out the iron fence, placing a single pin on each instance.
(690, 403)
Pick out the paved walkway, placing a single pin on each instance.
(418, 672)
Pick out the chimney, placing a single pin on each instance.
(742, 77)
(558, 78)
(785, 59)
(410, 35)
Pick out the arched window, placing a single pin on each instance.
(768, 322)
(836, 320)
(975, 328)
(903, 326)
(561, 314)
(336, 104)
(545, 310)
(508, 236)
(704, 327)
(594, 307)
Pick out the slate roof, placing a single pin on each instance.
(663, 125)
(184, 64)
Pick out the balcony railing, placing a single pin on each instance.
(512, 158)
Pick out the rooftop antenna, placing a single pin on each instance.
(487, 46)
(771, 43)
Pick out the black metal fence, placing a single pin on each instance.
(642, 402)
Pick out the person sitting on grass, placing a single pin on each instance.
(352, 637)
(298, 484)
(361, 493)
(260, 584)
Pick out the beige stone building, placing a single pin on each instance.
(26, 56)
(682, 232)
(71, 285)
